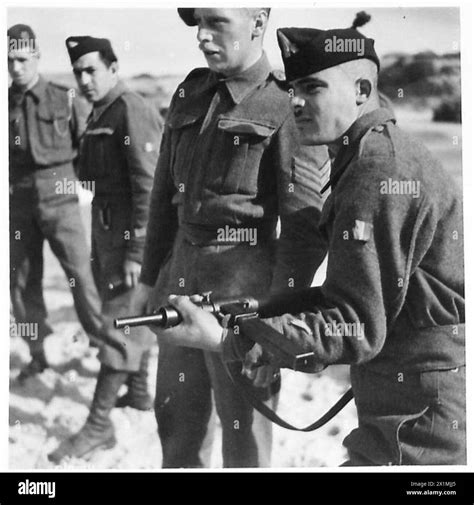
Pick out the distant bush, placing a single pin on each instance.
(448, 110)
(419, 69)
(420, 80)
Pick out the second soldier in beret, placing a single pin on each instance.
(119, 153)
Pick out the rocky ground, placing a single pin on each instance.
(54, 405)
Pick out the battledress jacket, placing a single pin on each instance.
(393, 298)
(239, 171)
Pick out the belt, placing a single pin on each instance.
(243, 234)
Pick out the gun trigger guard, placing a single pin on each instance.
(206, 296)
(236, 318)
(223, 319)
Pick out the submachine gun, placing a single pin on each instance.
(245, 316)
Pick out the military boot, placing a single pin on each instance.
(98, 431)
(137, 395)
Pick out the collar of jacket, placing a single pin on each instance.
(38, 91)
(353, 135)
(240, 85)
(99, 107)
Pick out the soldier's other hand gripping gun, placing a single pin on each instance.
(245, 313)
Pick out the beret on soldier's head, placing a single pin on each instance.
(80, 45)
(187, 15)
(306, 51)
(21, 36)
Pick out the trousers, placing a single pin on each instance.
(125, 347)
(56, 219)
(413, 418)
(186, 376)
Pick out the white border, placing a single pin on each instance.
(467, 45)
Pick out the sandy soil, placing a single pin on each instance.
(54, 405)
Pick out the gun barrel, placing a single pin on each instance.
(153, 319)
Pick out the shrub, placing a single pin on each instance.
(449, 109)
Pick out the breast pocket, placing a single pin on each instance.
(53, 127)
(183, 129)
(96, 149)
(236, 162)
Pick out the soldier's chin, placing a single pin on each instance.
(20, 81)
(308, 137)
(217, 65)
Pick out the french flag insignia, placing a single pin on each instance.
(362, 231)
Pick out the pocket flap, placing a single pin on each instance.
(245, 127)
(45, 115)
(103, 130)
(182, 120)
(50, 116)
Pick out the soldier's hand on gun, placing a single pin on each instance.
(131, 271)
(198, 328)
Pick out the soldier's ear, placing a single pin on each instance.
(114, 67)
(363, 90)
(260, 20)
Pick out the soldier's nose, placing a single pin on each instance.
(298, 104)
(203, 35)
(84, 79)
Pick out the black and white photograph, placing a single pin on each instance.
(236, 238)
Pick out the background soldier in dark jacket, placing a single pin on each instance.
(392, 304)
(226, 167)
(45, 124)
(119, 152)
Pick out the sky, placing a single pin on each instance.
(156, 41)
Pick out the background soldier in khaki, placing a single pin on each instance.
(45, 125)
(226, 173)
(119, 153)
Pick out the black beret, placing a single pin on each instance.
(21, 36)
(308, 50)
(78, 46)
(187, 15)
